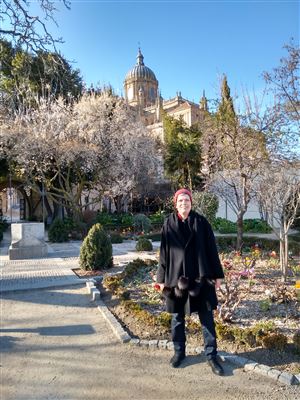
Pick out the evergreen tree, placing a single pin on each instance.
(182, 153)
(24, 77)
(226, 107)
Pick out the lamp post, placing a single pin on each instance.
(10, 196)
(43, 201)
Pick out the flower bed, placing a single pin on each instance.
(261, 324)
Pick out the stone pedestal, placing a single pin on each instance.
(27, 241)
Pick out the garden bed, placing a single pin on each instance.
(140, 309)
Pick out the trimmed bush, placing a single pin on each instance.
(96, 250)
(58, 231)
(144, 244)
(141, 223)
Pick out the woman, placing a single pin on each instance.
(188, 275)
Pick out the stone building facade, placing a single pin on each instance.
(141, 90)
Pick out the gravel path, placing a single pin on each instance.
(56, 345)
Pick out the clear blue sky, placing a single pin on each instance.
(188, 44)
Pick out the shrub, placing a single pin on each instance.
(113, 282)
(126, 220)
(58, 231)
(224, 332)
(164, 319)
(104, 218)
(115, 237)
(96, 250)
(206, 204)
(223, 225)
(141, 223)
(144, 244)
(3, 224)
(276, 341)
(158, 217)
(256, 225)
(75, 230)
(114, 221)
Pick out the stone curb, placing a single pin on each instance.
(121, 334)
(247, 364)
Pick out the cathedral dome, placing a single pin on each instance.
(140, 71)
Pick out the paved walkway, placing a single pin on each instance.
(55, 344)
(58, 268)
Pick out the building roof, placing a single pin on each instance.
(140, 71)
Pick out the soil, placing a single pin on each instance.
(285, 315)
(87, 274)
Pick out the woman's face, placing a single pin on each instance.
(183, 204)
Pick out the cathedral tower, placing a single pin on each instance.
(140, 84)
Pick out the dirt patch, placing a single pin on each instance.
(81, 273)
(87, 274)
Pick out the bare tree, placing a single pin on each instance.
(94, 144)
(283, 82)
(19, 25)
(278, 191)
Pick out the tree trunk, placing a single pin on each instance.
(118, 203)
(283, 254)
(240, 229)
(48, 209)
(286, 255)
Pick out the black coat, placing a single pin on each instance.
(194, 256)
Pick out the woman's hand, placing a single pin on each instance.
(159, 286)
(218, 283)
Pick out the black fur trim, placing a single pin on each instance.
(183, 283)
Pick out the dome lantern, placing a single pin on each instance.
(140, 76)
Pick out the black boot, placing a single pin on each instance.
(216, 367)
(177, 359)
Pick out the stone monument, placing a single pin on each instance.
(27, 241)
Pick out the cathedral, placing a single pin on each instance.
(141, 91)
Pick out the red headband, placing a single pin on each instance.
(182, 191)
